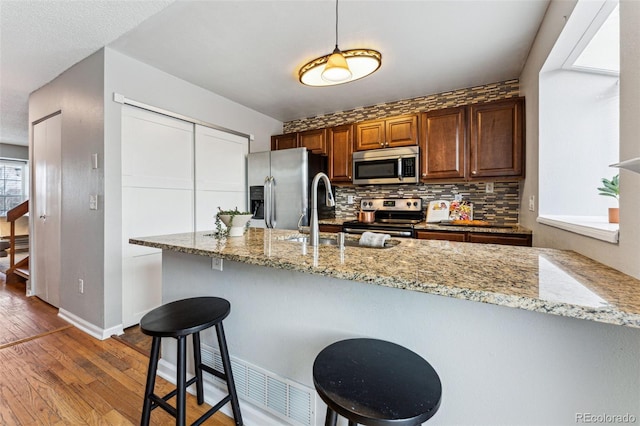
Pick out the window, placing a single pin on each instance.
(13, 184)
(579, 121)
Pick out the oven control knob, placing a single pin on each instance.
(408, 203)
(415, 204)
(370, 203)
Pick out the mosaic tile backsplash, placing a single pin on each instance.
(471, 95)
(500, 206)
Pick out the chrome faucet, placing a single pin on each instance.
(314, 230)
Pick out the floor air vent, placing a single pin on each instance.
(281, 397)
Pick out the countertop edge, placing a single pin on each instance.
(602, 315)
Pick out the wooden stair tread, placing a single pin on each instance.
(23, 272)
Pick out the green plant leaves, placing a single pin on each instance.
(610, 188)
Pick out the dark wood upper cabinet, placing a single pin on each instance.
(340, 150)
(401, 131)
(496, 139)
(286, 141)
(443, 144)
(389, 133)
(369, 135)
(314, 140)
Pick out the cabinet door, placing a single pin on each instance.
(330, 228)
(507, 239)
(437, 235)
(443, 142)
(370, 135)
(401, 131)
(286, 141)
(340, 152)
(314, 140)
(497, 139)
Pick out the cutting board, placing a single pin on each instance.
(437, 211)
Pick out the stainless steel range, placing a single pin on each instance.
(394, 216)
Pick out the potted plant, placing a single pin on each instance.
(610, 188)
(235, 222)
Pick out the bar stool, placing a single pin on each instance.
(179, 319)
(376, 383)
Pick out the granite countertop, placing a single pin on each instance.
(502, 229)
(543, 280)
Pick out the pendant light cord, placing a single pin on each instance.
(336, 25)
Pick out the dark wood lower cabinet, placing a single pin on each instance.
(447, 236)
(507, 239)
(330, 228)
(477, 237)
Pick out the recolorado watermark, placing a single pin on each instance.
(605, 418)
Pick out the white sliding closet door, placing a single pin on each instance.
(157, 198)
(221, 174)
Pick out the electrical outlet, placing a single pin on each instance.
(93, 202)
(350, 199)
(532, 203)
(216, 263)
(457, 197)
(488, 188)
(81, 286)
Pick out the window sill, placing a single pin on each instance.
(591, 226)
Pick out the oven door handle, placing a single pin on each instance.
(392, 233)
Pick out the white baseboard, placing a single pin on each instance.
(251, 416)
(87, 327)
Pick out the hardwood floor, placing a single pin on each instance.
(53, 373)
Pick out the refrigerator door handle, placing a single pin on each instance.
(267, 202)
(272, 195)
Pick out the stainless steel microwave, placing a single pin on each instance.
(390, 165)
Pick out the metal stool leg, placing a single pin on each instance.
(226, 363)
(151, 380)
(197, 359)
(181, 382)
(331, 419)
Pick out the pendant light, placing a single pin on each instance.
(340, 66)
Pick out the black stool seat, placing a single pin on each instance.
(376, 383)
(180, 319)
(184, 317)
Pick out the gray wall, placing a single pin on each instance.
(91, 240)
(623, 256)
(140, 82)
(14, 152)
(78, 93)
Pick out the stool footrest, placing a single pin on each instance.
(157, 401)
(212, 410)
(211, 370)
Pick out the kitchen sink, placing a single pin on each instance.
(334, 242)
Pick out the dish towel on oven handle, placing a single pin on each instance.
(373, 239)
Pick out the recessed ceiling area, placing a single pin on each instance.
(250, 51)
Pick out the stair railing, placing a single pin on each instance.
(12, 215)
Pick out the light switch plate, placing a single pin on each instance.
(532, 203)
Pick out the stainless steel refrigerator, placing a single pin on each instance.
(279, 187)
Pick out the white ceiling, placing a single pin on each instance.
(249, 51)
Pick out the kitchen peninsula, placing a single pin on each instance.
(498, 365)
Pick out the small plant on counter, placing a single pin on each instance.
(223, 233)
(610, 188)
